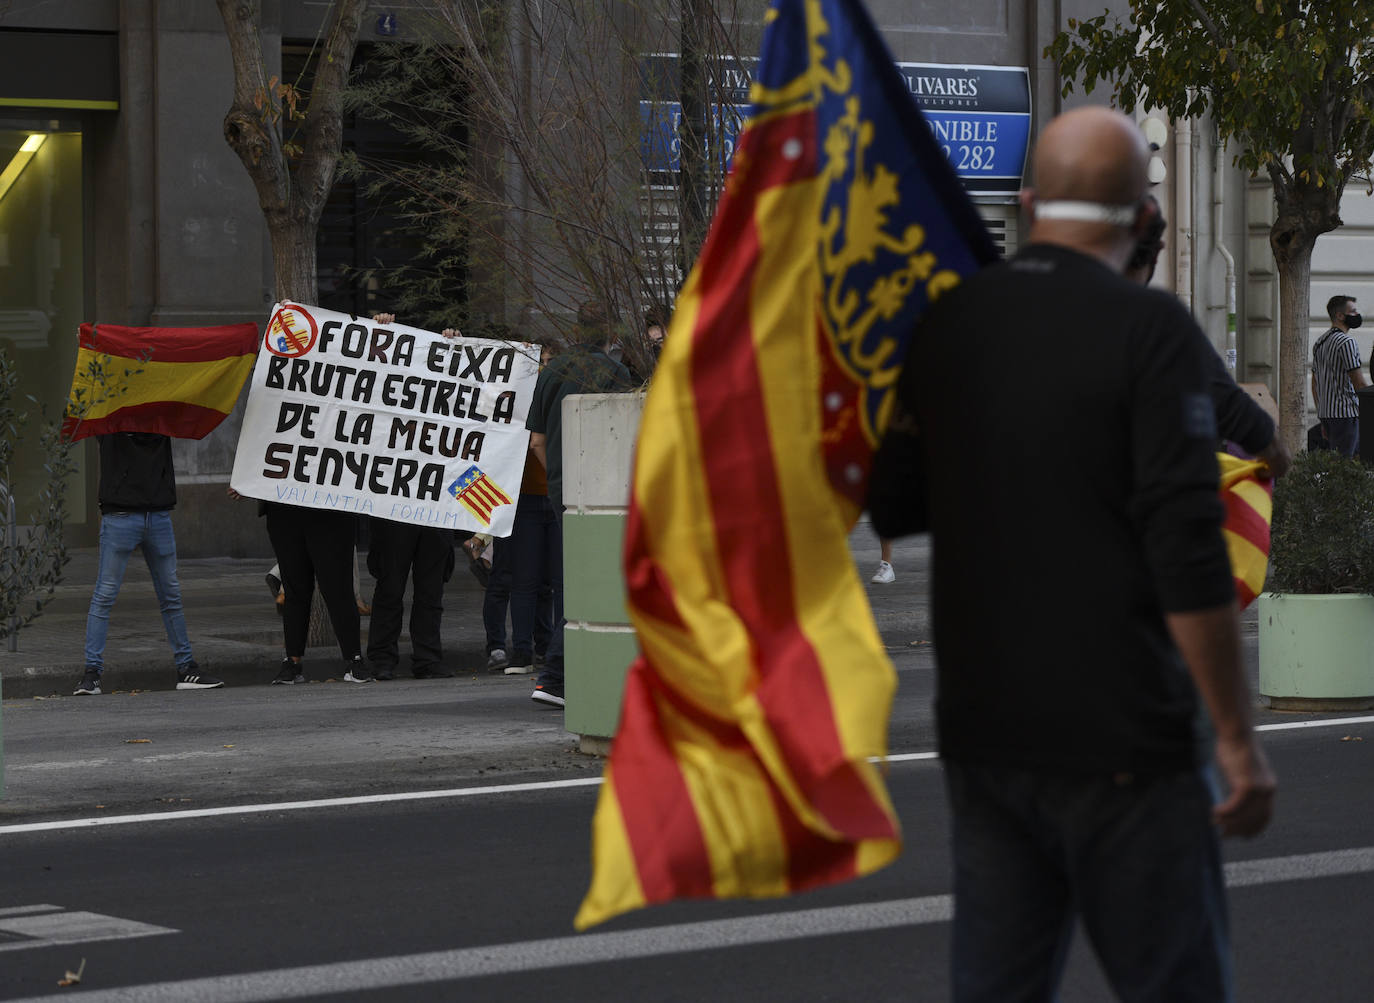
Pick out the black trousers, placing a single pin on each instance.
(397, 551)
(315, 545)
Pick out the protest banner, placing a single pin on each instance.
(386, 420)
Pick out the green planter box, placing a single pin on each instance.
(1316, 651)
(599, 432)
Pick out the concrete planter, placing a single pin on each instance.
(1316, 651)
(599, 433)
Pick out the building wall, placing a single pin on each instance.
(175, 236)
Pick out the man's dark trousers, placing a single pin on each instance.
(398, 551)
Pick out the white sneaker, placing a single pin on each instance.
(884, 575)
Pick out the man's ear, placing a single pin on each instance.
(1027, 199)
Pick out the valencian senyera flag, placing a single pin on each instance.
(743, 765)
(177, 381)
(1248, 494)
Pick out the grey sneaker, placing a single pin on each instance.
(89, 685)
(497, 660)
(357, 671)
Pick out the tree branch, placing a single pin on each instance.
(1211, 27)
(247, 128)
(324, 115)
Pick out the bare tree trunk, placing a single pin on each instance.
(291, 192)
(1292, 245)
(294, 258)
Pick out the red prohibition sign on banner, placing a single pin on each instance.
(292, 331)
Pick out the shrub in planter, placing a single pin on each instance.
(1322, 535)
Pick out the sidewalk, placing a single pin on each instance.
(235, 631)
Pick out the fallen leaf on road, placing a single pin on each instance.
(74, 978)
(138, 741)
(1352, 738)
(227, 746)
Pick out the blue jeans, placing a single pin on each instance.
(523, 569)
(1137, 859)
(120, 533)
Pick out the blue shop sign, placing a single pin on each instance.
(980, 116)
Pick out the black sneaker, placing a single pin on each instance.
(357, 671)
(384, 673)
(191, 678)
(89, 685)
(432, 672)
(549, 692)
(520, 664)
(289, 674)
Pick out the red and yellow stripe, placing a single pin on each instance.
(1249, 501)
(741, 766)
(177, 381)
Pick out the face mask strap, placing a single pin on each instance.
(1087, 212)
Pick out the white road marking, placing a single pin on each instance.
(592, 948)
(28, 910)
(1331, 722)
(1300, 867)
(260, 809)
(87, 764)
(555, 952)
(61, 764)
(68, 928)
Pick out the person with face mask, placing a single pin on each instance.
(1070, 738)
(1336, 375)
(1239, 419)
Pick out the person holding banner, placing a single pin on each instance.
(396, 552)
(137, 493)
(315, 545)
(585, 368)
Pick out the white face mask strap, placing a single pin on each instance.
(1086, 212)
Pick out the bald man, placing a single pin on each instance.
(1086, 522)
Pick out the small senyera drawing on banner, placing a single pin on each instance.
(386, 420)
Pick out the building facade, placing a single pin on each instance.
(125, 205)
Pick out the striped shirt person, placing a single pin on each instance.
(1336, 375)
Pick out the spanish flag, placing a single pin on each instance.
(742, 764)
(1249, 502)
(177, 381)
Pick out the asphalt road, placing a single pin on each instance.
(471, 896)
(429, 841)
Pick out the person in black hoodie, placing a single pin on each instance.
(137, 493)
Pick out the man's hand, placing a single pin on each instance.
(1276, 457)
(1244, 768)
(451, 332)
(383, 318)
